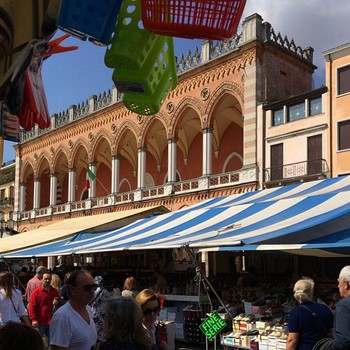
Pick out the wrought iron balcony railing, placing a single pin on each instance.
(287, 173)
(6, 201)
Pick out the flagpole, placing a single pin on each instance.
(102, 185)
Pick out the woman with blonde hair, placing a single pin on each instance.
(309, 321)
(11, 302)
(56, 282)
(149, 303)
(123, 329)
(130, 287)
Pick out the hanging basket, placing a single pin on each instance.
(142, 60)
(206, 19)
(144, 104)
(130, 44)
(89, 19)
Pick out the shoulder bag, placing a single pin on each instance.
(324, 343)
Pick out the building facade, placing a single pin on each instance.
(338, 81)
(205, 141)
(7, 198)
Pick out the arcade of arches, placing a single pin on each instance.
(138, 155)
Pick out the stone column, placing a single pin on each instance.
(53, 189)
(207, 152)
(141, 167)
(22, 197)
(172, 160)
(115, 173)
(72, 179)
(36, 197)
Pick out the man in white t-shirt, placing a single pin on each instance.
(72, 326)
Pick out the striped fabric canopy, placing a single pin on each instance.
(294, 214)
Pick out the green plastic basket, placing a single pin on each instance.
(160, 62)
(150, 104)
(130, 44)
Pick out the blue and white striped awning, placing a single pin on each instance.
(294, 214)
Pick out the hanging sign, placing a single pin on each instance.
(212, 325)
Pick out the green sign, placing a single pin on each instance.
(212, 325)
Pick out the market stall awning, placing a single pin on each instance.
(294, 214)
(333, 245)
(66, 229)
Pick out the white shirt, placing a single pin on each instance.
(69, 330)
(8, 311)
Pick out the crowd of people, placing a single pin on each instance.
(79, 313)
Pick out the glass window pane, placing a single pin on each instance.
(315, 106)
(344, 135)
(277, 117)
(343, 80)
(296, 112)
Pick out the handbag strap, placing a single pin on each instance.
(313, 313)
(13, 304)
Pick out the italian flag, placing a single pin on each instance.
(89, 176)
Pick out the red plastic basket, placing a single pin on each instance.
(206, 19)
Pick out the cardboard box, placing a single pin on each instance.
(179, 331)
(281, 344)
(272, 341)
(263, 346)
(263, 324)
(235, 325)
(246, 339)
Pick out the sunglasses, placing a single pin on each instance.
(150, 311)
(89, 287)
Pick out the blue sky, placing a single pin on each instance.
(72, 77)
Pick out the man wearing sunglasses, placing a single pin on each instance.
(72, 325)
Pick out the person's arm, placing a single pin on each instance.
(25, 320)
(292, 341)
(32, 310)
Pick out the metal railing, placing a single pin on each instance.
(6, 201)
(296, 171)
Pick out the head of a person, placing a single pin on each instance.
(18, 336)
(123, 321)
(66, 277)
(98, 280)
(149, 303)
(40, 271)
(130, 283)
(56, 281)
(304, 290)
(46, 279)
(6, 282)
(81, 287)
(344, 281)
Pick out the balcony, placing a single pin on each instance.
(6, 202)
(210, 183)
(296, 172)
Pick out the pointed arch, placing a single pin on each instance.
(40, 165)
(27, 169)
(124, 127)
(188, 102)
(61, 151)
(101, 135)
(81, 143)
(227, 88)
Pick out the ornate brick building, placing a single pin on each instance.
(202, 144)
